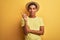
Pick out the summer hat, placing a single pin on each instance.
(33, 3)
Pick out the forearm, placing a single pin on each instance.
(26, 28)
(37, 32)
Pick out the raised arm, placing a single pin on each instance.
(25, 27)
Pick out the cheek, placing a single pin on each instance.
(29, 10)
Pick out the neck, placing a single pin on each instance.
(32, 16)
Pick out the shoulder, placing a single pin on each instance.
(39, 17)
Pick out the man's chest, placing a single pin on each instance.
(34, 24)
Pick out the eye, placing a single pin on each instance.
(29, 8)
(34, 8)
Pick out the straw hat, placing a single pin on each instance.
(30, 3)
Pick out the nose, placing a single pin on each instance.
(31, 9)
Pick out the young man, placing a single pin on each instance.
(33, 25)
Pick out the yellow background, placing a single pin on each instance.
(11, 11)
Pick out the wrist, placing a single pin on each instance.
(30, 31)
(25, 21)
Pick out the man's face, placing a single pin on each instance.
(32, 9)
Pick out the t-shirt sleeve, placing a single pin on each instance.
(41, 22)
(22, 22)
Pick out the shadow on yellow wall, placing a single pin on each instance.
(11, 11)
